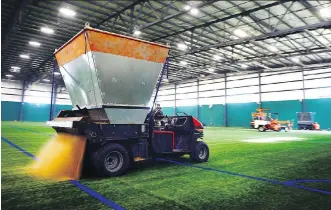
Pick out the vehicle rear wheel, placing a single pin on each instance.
(201, 153)
(261, 128)
(111, 160)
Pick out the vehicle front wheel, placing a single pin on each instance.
(201, 152)
(261, 129)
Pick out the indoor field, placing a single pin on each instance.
(246, 170)
(170, 104)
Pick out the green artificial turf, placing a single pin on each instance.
(171, 186)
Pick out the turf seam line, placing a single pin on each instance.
(30, 130)
(247, 176)
(76, 183)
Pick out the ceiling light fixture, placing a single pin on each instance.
(46, 80)
(137, 32)
(9, 75)
(240, 33)
(67, 12)
(181, 46)
(194, 11)
(15, 67)
(244, 65)
(35, 44)
(216, 57)
(273, 48)
(325, 12)
(187, 7)
(57, 73)
(184, 63)
(47, 30)
(25, 56)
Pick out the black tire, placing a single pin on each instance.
(111, 160)
(201, 152)
(261, 129)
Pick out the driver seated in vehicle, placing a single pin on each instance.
(158, 113)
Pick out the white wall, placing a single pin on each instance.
(11, 90)
(40, 93)
(242, 88)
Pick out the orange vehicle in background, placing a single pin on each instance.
(269, 121)
(260, 114)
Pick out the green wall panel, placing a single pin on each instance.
(239, 115)
(322, 107)
(36, 112)
(10, 110)
(212, 116)
(170, 111)
(190, 110)
(59, 107)
(287, 109)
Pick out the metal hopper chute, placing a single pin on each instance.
(115, 72)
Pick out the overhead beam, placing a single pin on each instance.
(118, 13)
(12, 26)
(317, 40)
(311, 8)
(238, 15)
(175, 15)
(325, 24)
(266, 58)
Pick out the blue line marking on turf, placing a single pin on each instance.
(96, 195)
(307, 180)
(221, 171)
(19, 148)
(77, 184)
(308, 188)
(247, 176)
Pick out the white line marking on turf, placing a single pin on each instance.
(272, 140)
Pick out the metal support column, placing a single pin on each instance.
(52, 93)
(225, 102)
(158, 84)
(198, 112)
(303, 102)
(22, 101)
(260, 98)
(175, 100)
(54, 101)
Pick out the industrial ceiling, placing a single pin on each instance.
(207, 38)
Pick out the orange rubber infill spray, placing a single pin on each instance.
(60, 159)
